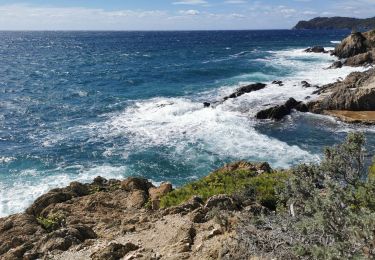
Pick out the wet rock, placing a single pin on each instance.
(306, 84)
(316, 49)
(280, 111)
(336, 65)
(114, 251)
(206, 104)
(246, 89)
(100, 181)
(278, 82)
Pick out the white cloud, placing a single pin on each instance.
(189, 12)
(190, 2)
(235, 2)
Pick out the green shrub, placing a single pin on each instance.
(52, 221)
(229, 182)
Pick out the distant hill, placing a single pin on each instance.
(337, 23)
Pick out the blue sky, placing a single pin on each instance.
(171, 14)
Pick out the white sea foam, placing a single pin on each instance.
(335, 42)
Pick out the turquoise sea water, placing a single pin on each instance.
(75, 105)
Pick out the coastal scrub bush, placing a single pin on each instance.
(229, 182)
(329, 209)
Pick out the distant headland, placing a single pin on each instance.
(337, 23)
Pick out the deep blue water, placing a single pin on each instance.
(74, 105)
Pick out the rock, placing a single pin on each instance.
(79, 189)
(135, 183)
(360, 59)
(260, 167)
(52, 197)
(206, 104)
(114, 251)
(316, 49)
(355, 93)
(64, 238)
(223, 202)
(246, 89)
(278, 82)
(280, 111)
(137, 199)
(276, 113)
(306, 84)
(336, 65)
(100, 181)
(157, 193)
(214, 232)
(351, 46)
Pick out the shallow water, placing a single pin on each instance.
(75, 105)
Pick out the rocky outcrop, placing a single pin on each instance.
(355, 93)
(246, 89)
(351, 46)
(280, 111)
(362, 59)
(113, 219)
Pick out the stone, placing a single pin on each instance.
(135, 183)
(156, 193)
(114, 251)
(206, 104)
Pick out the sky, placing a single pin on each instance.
(172, 14)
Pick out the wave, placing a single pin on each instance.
(336, 42)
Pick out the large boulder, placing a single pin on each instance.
(354, 44)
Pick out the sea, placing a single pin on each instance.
(76, 105)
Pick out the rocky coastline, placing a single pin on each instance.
(134, 219)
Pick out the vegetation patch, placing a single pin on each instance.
(52, 221)
(226, 181)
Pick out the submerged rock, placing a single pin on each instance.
(316, 49)
(278, 82)
(246, 89)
